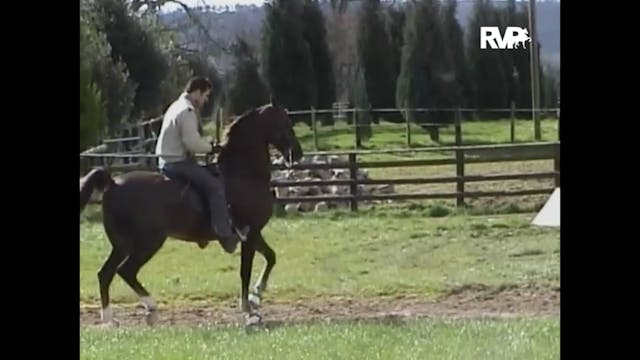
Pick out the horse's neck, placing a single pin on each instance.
(247, 161)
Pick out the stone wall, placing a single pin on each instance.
(325, 190)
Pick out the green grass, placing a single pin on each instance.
(417, 248)
(422, 339)
(393, 135)
(377, 252)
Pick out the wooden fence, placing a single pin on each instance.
(139, 138)
(352, 115)
(138, 156)
(463, 155)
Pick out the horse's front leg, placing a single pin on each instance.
(263, 248)
(246, 263)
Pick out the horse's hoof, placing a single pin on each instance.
(254, 319)
(152, 317)
(254, 300)
(244, 306)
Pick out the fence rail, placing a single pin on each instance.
(142, 134)
(463, 155)
(342, 113)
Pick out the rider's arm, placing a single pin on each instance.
(190, 136)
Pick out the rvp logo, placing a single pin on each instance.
(513, 37)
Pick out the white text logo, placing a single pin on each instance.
(513, 37)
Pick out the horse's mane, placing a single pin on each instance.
(235, 125)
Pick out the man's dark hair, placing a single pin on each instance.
(198, 83)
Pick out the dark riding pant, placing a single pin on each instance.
(214, 190)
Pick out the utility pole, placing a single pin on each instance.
(535, 77)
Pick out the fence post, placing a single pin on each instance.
(513, 122)
(353, 175)
(558, 120)
(406, 116)
(556, 164)
(315, 127)
(140, 145)
(459, 162)
(218, 123)
(357, 128)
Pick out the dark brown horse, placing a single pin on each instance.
(142, 208)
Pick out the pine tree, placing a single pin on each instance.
(375, 56)
(92, 117)
(412, 80)
(315, 34)
(455, 38)
(111, 77)
(132, 44)
(246, 76)
(395, 20)
(427, 78)
(362, 103)
(487, 73)
(287, 65)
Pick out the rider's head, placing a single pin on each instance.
(199, 89)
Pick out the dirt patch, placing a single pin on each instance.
(467, 302)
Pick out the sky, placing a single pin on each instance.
(171, 7)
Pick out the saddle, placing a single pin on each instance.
(197, 196)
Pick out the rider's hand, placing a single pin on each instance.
(214, 147)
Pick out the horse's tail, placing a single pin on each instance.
(97, 178)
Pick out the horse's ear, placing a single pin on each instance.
(274, 101)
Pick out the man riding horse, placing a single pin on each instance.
(179, 140)
(142, 209)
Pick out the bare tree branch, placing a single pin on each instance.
(155, 5)
(197, 21)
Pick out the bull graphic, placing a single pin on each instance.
(519, 37)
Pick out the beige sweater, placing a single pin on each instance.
(179, 136)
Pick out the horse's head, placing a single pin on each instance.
(280, 133)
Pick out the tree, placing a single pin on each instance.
(412, 80)
(287, 65)
(132, 44)
(92, 117)
(453, 32)
(246, 76)
(362, 103)
(395, 20)
(427, 76)
(375, 56)
(490, 86)
(91, 111)
(110, 77)
(315, 34)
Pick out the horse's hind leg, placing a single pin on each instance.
(269, 255)
(105, 277)
(145, 248)
(119, 253)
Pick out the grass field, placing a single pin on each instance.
(414, 253)
(387, 135)
(394, 252)
(425, 339)
(378, 252)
